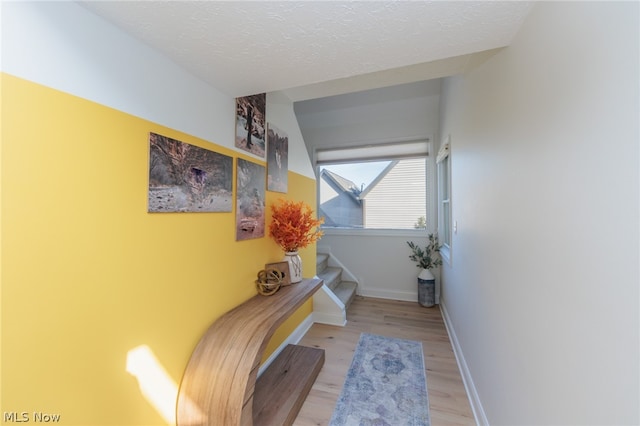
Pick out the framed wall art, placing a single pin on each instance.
(277, 159)
(187, 178)
(251, 123)
(250, 200)
(283, 268)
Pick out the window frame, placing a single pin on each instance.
(406, 154)
(443, 165)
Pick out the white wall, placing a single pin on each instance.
(543, 291)
(84, 55)
(280, 113)
(404, 112)
(408, 111)
(379, 260)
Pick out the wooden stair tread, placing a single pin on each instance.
(331, 276)
(346, 290)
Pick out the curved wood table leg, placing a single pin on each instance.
(219, 383)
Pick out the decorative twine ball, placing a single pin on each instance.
(269, 281)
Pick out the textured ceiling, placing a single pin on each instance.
(304, 47)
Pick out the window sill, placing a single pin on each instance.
(415, 233)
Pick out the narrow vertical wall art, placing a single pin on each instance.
(250, 200)
(251, 123)
(277, 159)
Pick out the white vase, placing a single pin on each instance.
(425, 274)
(295, 266)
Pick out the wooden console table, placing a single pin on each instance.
(219, 384)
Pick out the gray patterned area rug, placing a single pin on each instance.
(386, 385)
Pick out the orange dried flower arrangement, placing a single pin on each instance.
(293, 225)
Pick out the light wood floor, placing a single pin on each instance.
(448, 402)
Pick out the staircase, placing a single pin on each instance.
(330, 305)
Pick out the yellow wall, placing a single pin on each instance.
(87, 274)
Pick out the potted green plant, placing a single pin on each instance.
(426, 259)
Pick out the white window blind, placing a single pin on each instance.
(373, 152)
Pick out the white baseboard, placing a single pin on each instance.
(405, 296)
(388, 294)
(292, 339)
(472, 394)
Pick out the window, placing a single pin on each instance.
(374, 187)
(444, 199)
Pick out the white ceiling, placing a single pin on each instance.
(311, 49)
